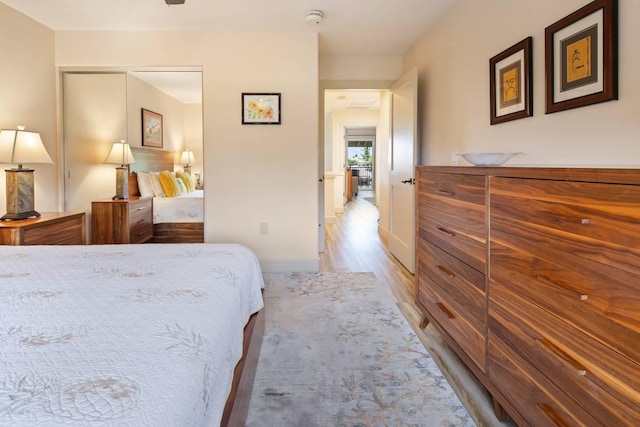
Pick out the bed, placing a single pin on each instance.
(125, 335)
(176, 219)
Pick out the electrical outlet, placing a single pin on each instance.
(264, 228)
(455, 158)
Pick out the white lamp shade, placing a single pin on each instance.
(187, 157)
(20, 146)
(120, 154)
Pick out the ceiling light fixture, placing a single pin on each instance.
(170, 2)
(314, 16)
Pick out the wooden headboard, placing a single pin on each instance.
(147, 160)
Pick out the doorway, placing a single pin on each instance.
(356, 138)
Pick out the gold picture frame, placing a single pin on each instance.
(581, 63)
(511, 83)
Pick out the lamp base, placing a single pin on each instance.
(19, 194)
(122, 183)
(21, 215)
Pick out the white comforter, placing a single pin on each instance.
(127, 335)
(185, 208)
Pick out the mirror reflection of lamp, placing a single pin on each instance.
(187, 160)
(18, 146)
(120, 154)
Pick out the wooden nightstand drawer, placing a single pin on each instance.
(51, 228)
(122, 221)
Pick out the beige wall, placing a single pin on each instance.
(28, 97)
(142, 95)
(453, 63)
(254, 174)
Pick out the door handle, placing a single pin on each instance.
(409, 181)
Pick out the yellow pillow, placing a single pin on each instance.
(187, 179)
(169, 184)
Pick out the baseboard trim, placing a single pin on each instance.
(286, 265)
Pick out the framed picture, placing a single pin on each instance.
(511, 83)
(581, 63)
(151, 129)
(261, 109)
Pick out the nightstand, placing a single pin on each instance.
(121, 221)
(51, 228)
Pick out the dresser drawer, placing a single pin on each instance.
(601, 301)
(599, 379)
(456, 236)
(464, 330)
(536, 398)
(590, 220)
(464, 285)
(460, 187)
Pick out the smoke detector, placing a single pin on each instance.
(314, 16)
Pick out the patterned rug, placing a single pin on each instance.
(338, 352)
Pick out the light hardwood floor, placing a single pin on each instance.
(353, 244)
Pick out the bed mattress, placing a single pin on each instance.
(127, 335)
(185, 208)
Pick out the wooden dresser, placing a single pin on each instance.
(121, 221)
(51, 228)
(558, 315)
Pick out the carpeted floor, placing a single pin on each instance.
(338, 352)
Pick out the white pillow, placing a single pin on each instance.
(144, 185)
(155, 184)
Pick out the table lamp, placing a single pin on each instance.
(20, 146)
(187, 159)
(120, 154)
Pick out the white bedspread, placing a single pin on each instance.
(186, 208)
(126, 335)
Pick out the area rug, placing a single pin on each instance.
(338, 352)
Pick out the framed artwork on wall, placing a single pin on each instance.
(151, 129)
(511, 83)
(261, 109)
(581, 57)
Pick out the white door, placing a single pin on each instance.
(404, 151)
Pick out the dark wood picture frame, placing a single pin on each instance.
(589, 75)
(152, 128)
(511, 83)
(261, 109)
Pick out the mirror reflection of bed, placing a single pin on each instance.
(178, 219)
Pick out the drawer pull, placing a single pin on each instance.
(446, 311)
(446, 271)
(446, 193)
(580, 369)
(447, 232)
(551, 414)
(141, 208)
(583, 297)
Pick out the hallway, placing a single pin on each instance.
(353, 244)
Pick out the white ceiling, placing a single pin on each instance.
(349, 27)
(185, 86)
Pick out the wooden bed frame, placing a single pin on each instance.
(150, 159)
(237, 407)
